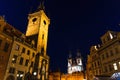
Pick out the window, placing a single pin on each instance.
(1, 58)
(17, 47)
(42, 36)
(6, 47)
(28, 52)
(12, 70)
(33, 54)
(103, 57)
(105, 69)
(110, 67)
(116, 50)
(21, 61)
(95, 64)
(31, 64)
(98, 63)
(14, 59)
(111, 53)
(23, 50)
(107, 55)
(26, 62)
(42, 50)
(115, 66)
(0, 42)
(44, 22)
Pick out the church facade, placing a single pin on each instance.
(75, 70)
(75, 64)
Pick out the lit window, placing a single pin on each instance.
(115, 66)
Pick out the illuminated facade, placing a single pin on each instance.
(23, 56)
(104, 59)
(75, 70)
(57, 75)
(75, 64)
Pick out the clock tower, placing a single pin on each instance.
(37, 31)
(38, 24)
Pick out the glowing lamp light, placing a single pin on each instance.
(115, 66)
(96, 47)
(17, 75)
(21, 75)
(13, 59)
(35, 73)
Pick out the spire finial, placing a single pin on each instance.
(41, 6)
(78, 53)
(70, 54)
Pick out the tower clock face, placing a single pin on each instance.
(33, 26)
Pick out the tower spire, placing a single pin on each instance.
(70, 54)
(78, 53)
(41, 5)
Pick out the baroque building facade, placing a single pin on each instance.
(104, 59)
(24, 56)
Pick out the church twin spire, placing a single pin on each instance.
(75, 64)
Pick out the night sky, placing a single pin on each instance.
(75, 24)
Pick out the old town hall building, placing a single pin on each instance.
(23, 56)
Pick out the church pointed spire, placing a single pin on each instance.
(70, 54)
(78, 53)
